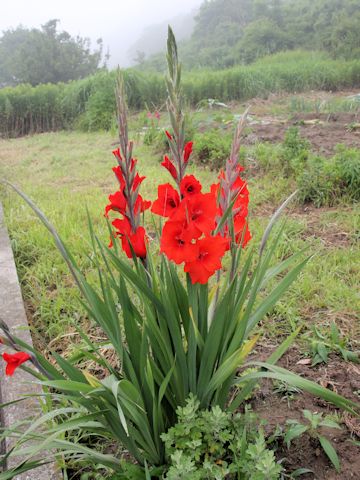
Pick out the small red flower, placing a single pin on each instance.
(176, 242)
(169, 136)
(208, 260)
(187, 151)
(136, 239)
(167, 163)
(157, 115)
(14, 360)
(189, 185)
(167, 202)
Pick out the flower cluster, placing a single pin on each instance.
(190, 235)
(129, 204)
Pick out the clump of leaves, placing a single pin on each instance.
(323, 343)
(314, 422)
(215, 444)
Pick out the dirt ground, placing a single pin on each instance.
(341, 377)
(324, 131)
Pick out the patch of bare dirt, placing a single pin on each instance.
(324, 131)
(305, 452)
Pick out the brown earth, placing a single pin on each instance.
(305, 452)
(324, 131)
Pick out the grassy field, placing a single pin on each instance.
(67, 173)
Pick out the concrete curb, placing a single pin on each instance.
(11, 388)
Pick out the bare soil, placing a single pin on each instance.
(305, 452)
(324, 131)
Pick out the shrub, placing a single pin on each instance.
(212, 148)
(326, 181)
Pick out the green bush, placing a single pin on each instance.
(212, 148)
(214, 444)
(325, 181)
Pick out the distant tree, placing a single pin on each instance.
(41, 56)
(139, 57)
(262, 37)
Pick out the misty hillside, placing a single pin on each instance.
(153, 39)
(231, 32)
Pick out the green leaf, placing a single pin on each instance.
(330, 452)
(294, 431)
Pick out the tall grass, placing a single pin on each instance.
(89, 104)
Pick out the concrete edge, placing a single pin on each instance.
(13, 313)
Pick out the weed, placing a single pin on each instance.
(314, 422)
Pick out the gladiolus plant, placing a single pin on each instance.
(179, 312)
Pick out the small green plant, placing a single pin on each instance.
(295, 152)
(285, 391)
(214, 444)
(323, 343)
(314, 422)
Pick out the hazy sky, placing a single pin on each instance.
(118, 22)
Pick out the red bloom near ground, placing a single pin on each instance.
(14, 360)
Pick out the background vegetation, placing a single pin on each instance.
(231, 32)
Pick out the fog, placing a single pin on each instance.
(118, 22)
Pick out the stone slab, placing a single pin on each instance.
(12, 311)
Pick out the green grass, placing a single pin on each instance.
(67, 173)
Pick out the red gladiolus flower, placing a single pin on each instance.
(189, 185)
(14, 360)
(176, 242)
(187, 151)
(208, 260)
(167, 202)
(198, 212)
(136, 239)
(117, 203)
(169, 136)
(167, 163)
